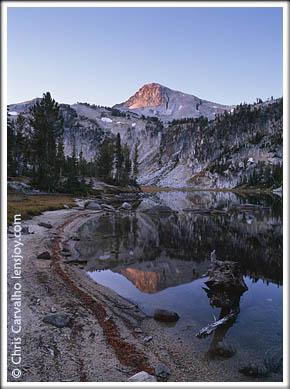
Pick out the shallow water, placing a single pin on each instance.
(158, 259)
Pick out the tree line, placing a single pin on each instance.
(35, 148)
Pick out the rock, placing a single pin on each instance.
(59, 320)
(44, 255)
(10, 230)
(94, 205)
(126, 206)
(142, 376)
(147, 339)
(164, 315)
(108, 207)
(273, 359)
(224, 350)
(65, 254)
(75, 238)
(46, 225)
(138, 330)
(162, 371)
(254, 370)
(66, 206)
(52, 309)
(25, 230)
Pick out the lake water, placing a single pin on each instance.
(159, 259)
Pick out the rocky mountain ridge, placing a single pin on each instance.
(240, 147)
(167, 104)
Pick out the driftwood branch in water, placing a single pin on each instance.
(207, 330)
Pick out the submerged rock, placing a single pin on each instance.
(142, 376)
(224, 350)
(164, 315)
(59, 320)
(254, 370)
(162, 371)
(44, 255)
(273, 359)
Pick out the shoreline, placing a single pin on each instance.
(100, 344)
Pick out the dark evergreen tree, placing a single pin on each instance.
(11, 144)
(104, 162)
(119, 158)
(20, 154)
(135, 162)
(60, 157)
(126, 173)
(46, 122)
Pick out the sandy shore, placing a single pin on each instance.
(100, 344)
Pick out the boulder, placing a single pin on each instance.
(162, 371)
(46, 225)
(126, 206)
(164, 315)
(44, 255)
(94, 205)
(142, 376)
(59, 320)
(66, 206)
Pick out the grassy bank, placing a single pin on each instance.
(31, 205)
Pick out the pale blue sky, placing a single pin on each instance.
(104, 55)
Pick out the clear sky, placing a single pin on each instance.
(104, 55)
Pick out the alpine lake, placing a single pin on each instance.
(158, 253)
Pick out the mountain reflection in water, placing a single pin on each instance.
(158, 254)
(155, 251)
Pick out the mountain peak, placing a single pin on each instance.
(158, 100)
(149, 95)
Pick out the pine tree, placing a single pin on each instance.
(127, 166)
(82, 164)
(20, 157)
(60, 157)
(72, 184)
(135, 163)
(46, 122)
(11, 143)
(119, 159)
(104, 162)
